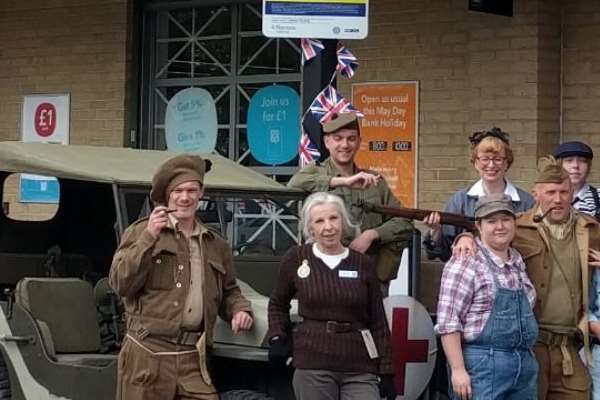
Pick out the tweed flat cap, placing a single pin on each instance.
(174, 171)
(493, 203)
(550, 171)
(571, 149)
(344, 120)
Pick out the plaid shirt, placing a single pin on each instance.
(467, 290)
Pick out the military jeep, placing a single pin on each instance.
(60, 324)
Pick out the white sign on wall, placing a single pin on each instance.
(45, 118)
(322, 19)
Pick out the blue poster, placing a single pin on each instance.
(274, 124)
(191, 121)
(38, 189)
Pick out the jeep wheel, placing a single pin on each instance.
(244, 395)
(4, 380)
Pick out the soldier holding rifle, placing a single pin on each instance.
(380, 235)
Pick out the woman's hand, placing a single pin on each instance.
(433, 223)
(461, 384)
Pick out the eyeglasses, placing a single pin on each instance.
(496, 160)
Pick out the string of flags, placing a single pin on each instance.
(328, 102)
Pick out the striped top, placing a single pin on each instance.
(347, 293)
(585, 202)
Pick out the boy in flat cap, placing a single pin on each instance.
(381, 236)
(485, 304)
(559, 247)
(175, 276)
(576, 159)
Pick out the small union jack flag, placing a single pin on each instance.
(329, 103)
(310, 48)
(347, 62)
(307, 150)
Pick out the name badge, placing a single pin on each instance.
(348, 274)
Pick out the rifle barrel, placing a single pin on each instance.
(416, 213)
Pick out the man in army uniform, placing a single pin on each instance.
(381, 236)
(175, 276)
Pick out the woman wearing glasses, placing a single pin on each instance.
(491, 156)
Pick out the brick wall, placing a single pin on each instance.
(74, 46)
(581, 76)
(476, 71)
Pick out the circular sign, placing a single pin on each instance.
(414, 347)
(274, 124)
(45, 119)
(191, 121)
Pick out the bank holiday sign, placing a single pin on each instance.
(323, 19)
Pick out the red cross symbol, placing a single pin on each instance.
(403, 349)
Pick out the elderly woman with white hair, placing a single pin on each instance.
(342, 344)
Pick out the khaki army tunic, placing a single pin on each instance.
(164, 355)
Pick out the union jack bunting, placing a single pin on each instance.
(347, 62)
(307, 150)
(310, 48)
(329, 103)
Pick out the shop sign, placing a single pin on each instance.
(191, 121)
(321, 19)
(389, 134)
(274, 124)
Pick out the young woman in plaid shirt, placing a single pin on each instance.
(485, 314)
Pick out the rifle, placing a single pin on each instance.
(467, 223)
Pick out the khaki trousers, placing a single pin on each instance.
(146, 376)
(552, 383)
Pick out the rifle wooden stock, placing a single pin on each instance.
(415, 213)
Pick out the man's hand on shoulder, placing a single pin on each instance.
(361, 180)
(464, 245)
(241, 321)
(157, 220)
(594, 258)
(363, 241)
(595, 328)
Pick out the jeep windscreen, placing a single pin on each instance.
(257, 225)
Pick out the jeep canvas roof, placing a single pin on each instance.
(124, 166)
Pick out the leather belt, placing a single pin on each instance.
(185, 338)
(556, 339)
(333, 326)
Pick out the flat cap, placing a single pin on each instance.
(571, 149)
(343, 120)
(550, 171)
(174, 171)
(493, 203)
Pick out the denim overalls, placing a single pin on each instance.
(500, 360)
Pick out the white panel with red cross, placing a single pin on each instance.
(414, 347)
